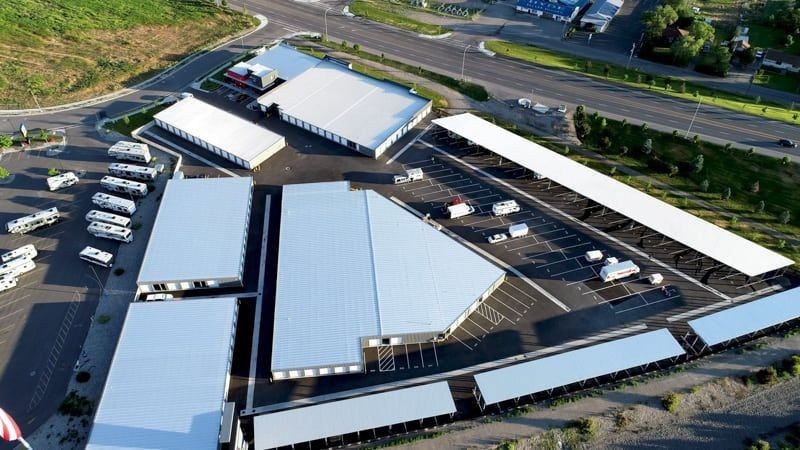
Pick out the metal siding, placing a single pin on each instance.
(347, 416)
(211, 248)
(147, 402)
(705, 237)
(551, 372)
(748, 318)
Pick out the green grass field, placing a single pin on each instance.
(393, 13)
(631, 77)
(769, 37)
(69, 50)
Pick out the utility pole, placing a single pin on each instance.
(633, 47)
(325, 18)
(463, 61)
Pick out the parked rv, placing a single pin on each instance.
(616, 271)
(36, 220)
(409, 176)
(62, 181)
(505, 208)
(518, 230)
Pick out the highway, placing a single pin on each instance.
(506, 79)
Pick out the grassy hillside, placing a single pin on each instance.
(69, 50)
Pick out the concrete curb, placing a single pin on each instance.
(482, 48)
(263, 21)
(435, 36)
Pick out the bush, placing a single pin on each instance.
(757, 445)
(53, 172)
(103, 318)
(767, 375)
(82, 376)
(136, 225)
(6, 141)
(75, 405)
(671, 402)
(4, 173)
(507, 445)
(119, 271)
(792, 365)
(587, 427)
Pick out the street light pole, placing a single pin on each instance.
(463, 61)
(693, 117)
(325, 18)
(35, 100)
(633, 47)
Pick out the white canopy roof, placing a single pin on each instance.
(168, 378)
(748, 318)
(306, 424)
(707, 238)
(578, 365)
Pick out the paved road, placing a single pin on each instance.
(510, 79)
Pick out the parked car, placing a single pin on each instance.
(787, 143)
(495, 238)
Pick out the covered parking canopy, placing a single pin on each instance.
(545, 374)
(749, 318)
(721, 245)
(300, 425)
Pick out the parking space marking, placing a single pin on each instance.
(386, 358)
(553, 275)
(485, 331)
(492, 315)
(577, 258)
(462, 342)
(613, 284)
(646, 304)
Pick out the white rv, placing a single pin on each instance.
(460, 209)
(518, 230)
(62, 181)
(616, 271)
(113, 203)
(96, 256)
(17, 267)
(105, 217)
(409, 176)
(26, 251)
(132, 151)
(7, 282)
(36, 220)
(131, 171)
(108, 231)
(115, 184)
(505, 208)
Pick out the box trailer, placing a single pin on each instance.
(619, 270)
(62, 181)
(26, 251)
(460, 210)
(409, 176)
(505, 208)
(593, 256)
(518, 230)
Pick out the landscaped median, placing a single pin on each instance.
(471, 90)
(674, 87)
(393, 14)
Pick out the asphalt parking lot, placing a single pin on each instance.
(44, 320)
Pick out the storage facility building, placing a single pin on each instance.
(599, 16)
(199, 237)
(222, 133)
(559, 10)
(169, 377)
(381, 276)
(332, 100)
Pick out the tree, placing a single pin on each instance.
(755, 187)
(658, 19)
(785, 216)
(644, 126)
(673, 170)
(612, 171)
(697, 164)
(701, 31)
(762, 205)
(126, 120)
(785, 160)
(4, 173)
(582, 129)
(647, 148)
(728, 147)
(566, 150)
(748, 56)
(588, 65)
(681, 7)
(580, 109)
(224, 3)
(356, 47)
(603, 123)
(606, 70)
(685, 49)
(751, 151)
(624, 150)
(734, 220)
(704, 185)
(721, 57)
(788, 40)
(726, 194)
(6, 141)
(605, 142)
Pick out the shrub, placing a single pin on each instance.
(53, 172)
(671, 402)
(622, 420)
(761, 206)
(75, 405)
(757, 445)
(726, 194)
(119, 271)
(507, 445)
(767, 375)
(755, 187)
(103, 318)
(356, 47)
(704, 185)
(136, 225)
(4, 173)
(587, 427)
(785, 216)
(612, 171)
(6, 141)
(82, 376)
(792, 365)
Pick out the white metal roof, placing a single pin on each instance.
(299, 425)
(705, 237)
(352, 264)
(200, 231)
(346, 103)
(748, 318)
(222, 129)
(578, 365)
(286, 60)
(168, 378)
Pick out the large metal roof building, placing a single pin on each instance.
(357, 270)
(169, 377)
(717, 243)
(351, 109)
(199, 237)
(220, 132)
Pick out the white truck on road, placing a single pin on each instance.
(62, 181)
(619, 270)
(459, 209)
(518, 230)
(505, 208)
(409, 176)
